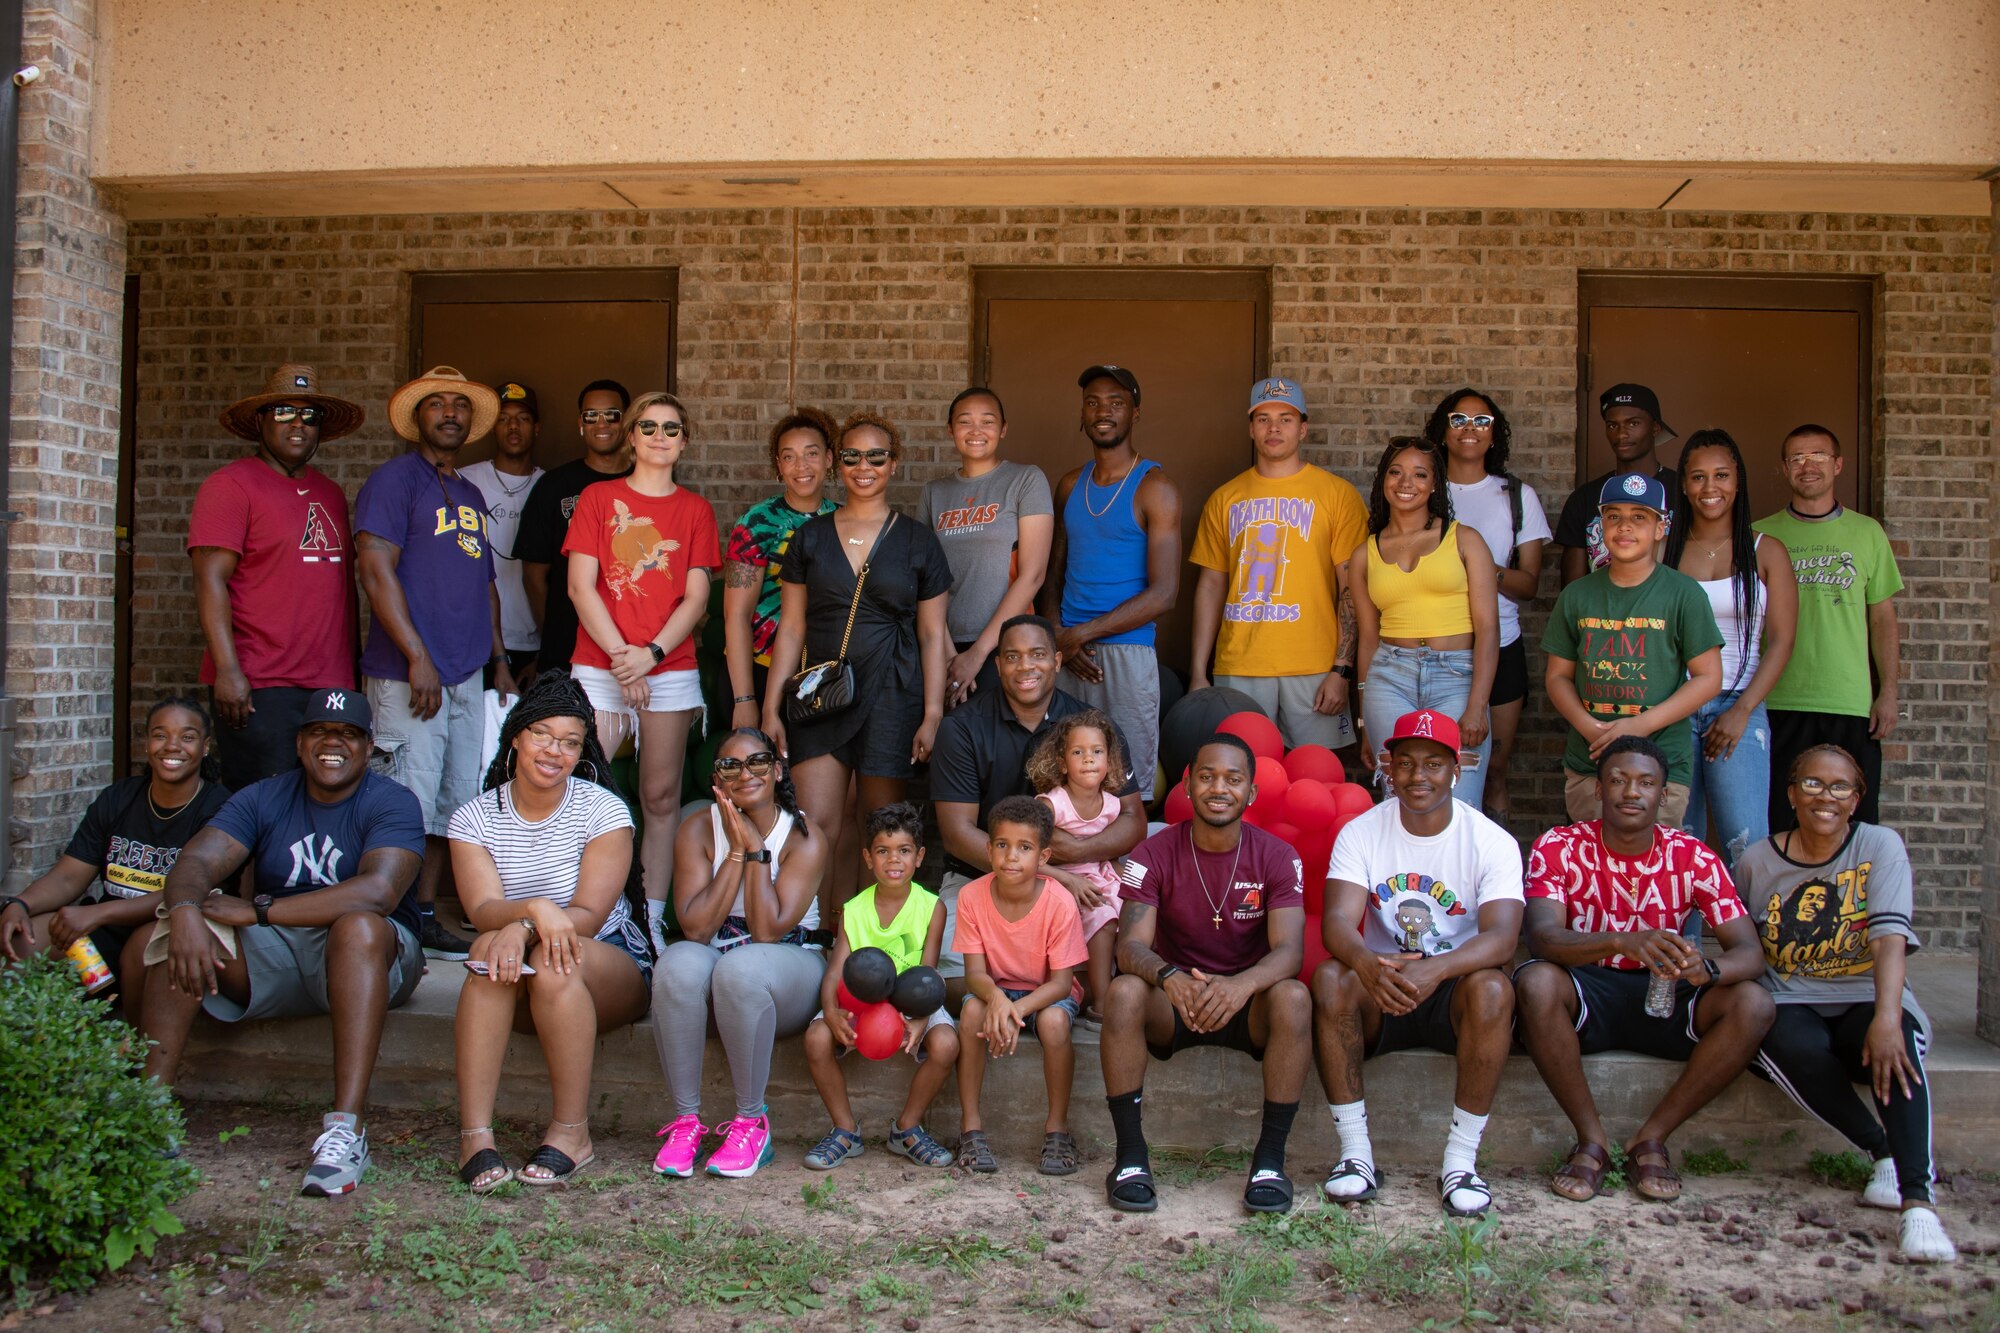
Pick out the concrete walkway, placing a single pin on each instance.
(1201, 1099)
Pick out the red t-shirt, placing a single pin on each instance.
(644, 546)
(1601, 891)
(1162, 871)
(292, 604)
(1020, 955)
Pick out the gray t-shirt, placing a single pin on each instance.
(978, 522)
(1817, 921)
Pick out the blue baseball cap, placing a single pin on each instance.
(1278, 390)
(1634, 488)
(349, 706)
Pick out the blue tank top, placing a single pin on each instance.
(1106, 551)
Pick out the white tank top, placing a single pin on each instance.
(1740, 655)
(775, 841)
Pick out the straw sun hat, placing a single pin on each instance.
(443, 379)
(293, 384)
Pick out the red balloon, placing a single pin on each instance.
(845, 998)
(1315, 762)
(1309, 803)
(1287, 833)
(1179, 809)
(878, 1030)
(1263, 815)
(1272, 783)
(1315, 948)
(1257, 731)
(1352, 799)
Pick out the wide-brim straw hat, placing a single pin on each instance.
(443, 379)
(291, 384)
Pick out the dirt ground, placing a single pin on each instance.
(883, 1244)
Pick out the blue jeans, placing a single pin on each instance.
(1736, 790)
(1403, 680)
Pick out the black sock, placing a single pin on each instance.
(1131, 1136)
(425, 913)
(1270, 1153)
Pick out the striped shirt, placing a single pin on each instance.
(543, 859)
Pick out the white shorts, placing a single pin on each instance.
(669, 691)
(939, 1016)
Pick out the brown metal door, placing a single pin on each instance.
(554, 332)
(1197, 340)
(1754, 356)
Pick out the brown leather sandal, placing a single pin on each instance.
(1657, 1181)
(1579, 1181)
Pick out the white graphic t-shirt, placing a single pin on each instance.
(1426, 892)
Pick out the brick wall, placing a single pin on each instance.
(1989, 925)
(69, 275)
(1376, 311)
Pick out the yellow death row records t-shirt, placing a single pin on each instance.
(1278, 540)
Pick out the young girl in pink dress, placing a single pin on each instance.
(1070, 770)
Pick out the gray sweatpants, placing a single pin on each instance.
(757, 992)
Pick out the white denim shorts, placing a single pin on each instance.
(669, 691)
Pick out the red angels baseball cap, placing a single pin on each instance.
(1426, 725)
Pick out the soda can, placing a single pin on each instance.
(91, 968)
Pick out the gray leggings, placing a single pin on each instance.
(759, 993)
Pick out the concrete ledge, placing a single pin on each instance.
(1201, 1099)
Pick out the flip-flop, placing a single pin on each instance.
(1453, 1181)
(477, 1165)
(1268, 1192)
(1130, 1190)
(554, 1160)
(1352, 1168)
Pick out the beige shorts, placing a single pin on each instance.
(1288, 701)
(1580, 796)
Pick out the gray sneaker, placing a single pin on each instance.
(340, 1156)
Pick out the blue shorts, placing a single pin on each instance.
(1067, 1004)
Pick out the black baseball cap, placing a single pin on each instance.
(1118, 373)
(512, 392)
(1639, 396)
(348, 706)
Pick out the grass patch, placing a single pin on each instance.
(963, 1254)
(1181, 1168)
(884, 1292)
(708, 1260)
(823, 1196)
(1847, 1170)
(1712, 1162)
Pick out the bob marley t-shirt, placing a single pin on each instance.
(1817, 921)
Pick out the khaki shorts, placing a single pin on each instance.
(1288, 701)
(1580, 796)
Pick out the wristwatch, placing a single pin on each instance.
(262, 902)
(10, 900)
(1165, 972)
(762, 858)
(1714, 972)
(1343, 671)
(659, 653)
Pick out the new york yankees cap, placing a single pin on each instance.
(349, 706)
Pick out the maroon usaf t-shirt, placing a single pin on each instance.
(1166, 871)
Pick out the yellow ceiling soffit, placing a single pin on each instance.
(1307, 184)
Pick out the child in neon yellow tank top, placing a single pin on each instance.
(904, 920)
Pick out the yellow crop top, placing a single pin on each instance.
(1429, 602)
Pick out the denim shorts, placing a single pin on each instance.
(1067, 1004)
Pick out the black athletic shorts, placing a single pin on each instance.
(1611, 1015)
(1510, 679)
(1428, 1026)
(1235, 1035)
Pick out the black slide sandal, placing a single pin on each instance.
(556, 1162)
(1130, 1190)
(486, 1159)
(1268, 1192)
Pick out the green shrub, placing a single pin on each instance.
(83, 1185)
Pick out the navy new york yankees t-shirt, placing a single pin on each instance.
(298, 844)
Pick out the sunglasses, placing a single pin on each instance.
(547, 740)
(759, 764)
(283, 412)
(596, 414)
(670, 429)
(1839, 791)
(875, 457)
(1459, 421)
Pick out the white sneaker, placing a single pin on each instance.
(1883, 1190)
(340, 1156)
(1924, 1241)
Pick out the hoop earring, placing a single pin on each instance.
(593, 771)
(507, 765)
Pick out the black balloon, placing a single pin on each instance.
(870, 975)
(918, 992)
(1193, 720)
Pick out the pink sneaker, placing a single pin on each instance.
(682, 1137)
(746, 1145)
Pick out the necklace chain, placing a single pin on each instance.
(1100, 513)
(164, 815)
(1194, 854)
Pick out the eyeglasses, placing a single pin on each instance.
(283, 412)
(670, 429)
(596, 414)
(548, 740)
(1459, 421)
(1839, 791)
(875, 457)
(1817, 458)
(759, 764)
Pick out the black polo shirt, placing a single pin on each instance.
(981, 755)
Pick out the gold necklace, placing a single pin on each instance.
(1100, 513)
(1194, 853)
(164, 816)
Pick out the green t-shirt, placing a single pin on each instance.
(903, 938)
(1844, 566)
(1631, 647)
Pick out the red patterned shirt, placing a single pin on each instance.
(1600, 891)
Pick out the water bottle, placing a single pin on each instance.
(1660, 996)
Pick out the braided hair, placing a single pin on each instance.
(1378, 499)
(552, 695)
(210, 768)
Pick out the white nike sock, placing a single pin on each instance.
(656, 912)
(1461, 1146)
(1350, 1122)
